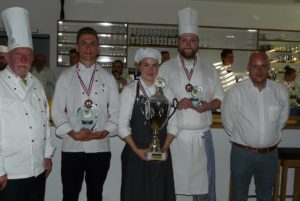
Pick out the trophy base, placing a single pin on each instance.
(156, 156)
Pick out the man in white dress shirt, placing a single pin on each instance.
(196, 85)
(85, 111)
(254, 113)
(25, 142)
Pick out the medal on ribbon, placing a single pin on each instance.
(87, 114)
(195, 93)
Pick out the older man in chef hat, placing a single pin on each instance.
(196, 84)
(3, 57)
(25, 143)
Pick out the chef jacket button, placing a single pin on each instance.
(26, 113)
(44, 138)
(82, 92)
(44, 125)
(96, 104)
(34, 88)
(96, 92)
(30, 127)
(39, 99)
(96, 80)
(15, 88)
(32, 140)
(8, 77)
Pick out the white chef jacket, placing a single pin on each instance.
(25, 139)
(126, 106)
(47, 78)
(189, 158)
(69, 96)
(255, 118)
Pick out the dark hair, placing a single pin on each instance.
(73, 50)
(86, 30)
(117, 61)
(225, 52)
(164, 52)
(289, 70)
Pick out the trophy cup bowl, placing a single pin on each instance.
(157, 112)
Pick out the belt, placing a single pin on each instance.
(256, 150)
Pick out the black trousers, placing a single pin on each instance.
(93, 167)
(28, 189)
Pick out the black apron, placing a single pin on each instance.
(145, 180)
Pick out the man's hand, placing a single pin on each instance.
(3, 182)
(48, 166)
(82, 135)
(100, 134)
(184, 103)
(205, 106)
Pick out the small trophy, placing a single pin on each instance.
(157, 110)
(195, 94)
(86, 115)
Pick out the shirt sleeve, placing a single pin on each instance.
(126, 107)
(172, 123)
(59, 115)
(49, 149)
(111, 124)
(219, 91)
(227, 111)
(284, 115)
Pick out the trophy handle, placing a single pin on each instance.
(173, 105)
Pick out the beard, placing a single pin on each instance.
(188, 54)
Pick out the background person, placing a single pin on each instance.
(254, 113)
(142, 179)
(25, 141)
(117, 71)
(165, 56)
(85, 111)
(44, 74)
(3, 57)
(196, 85)
(74, 56)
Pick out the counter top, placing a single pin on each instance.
(293, 122)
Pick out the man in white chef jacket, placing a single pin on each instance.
(25, 142)
(196, 84)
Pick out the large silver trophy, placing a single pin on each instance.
(157, 113)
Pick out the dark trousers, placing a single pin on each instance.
(28, 189)
(93, 167)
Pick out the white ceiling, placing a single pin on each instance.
(279, 2)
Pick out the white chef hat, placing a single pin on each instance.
(143, 53)
(17, 26)
(3, 48)
(188, 21)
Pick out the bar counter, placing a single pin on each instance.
(293, 122)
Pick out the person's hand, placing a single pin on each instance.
(3, 182)
(99, 134)
(205, 106)
(48, 166)
(184, 103)
(141, 153)
(82, 135)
